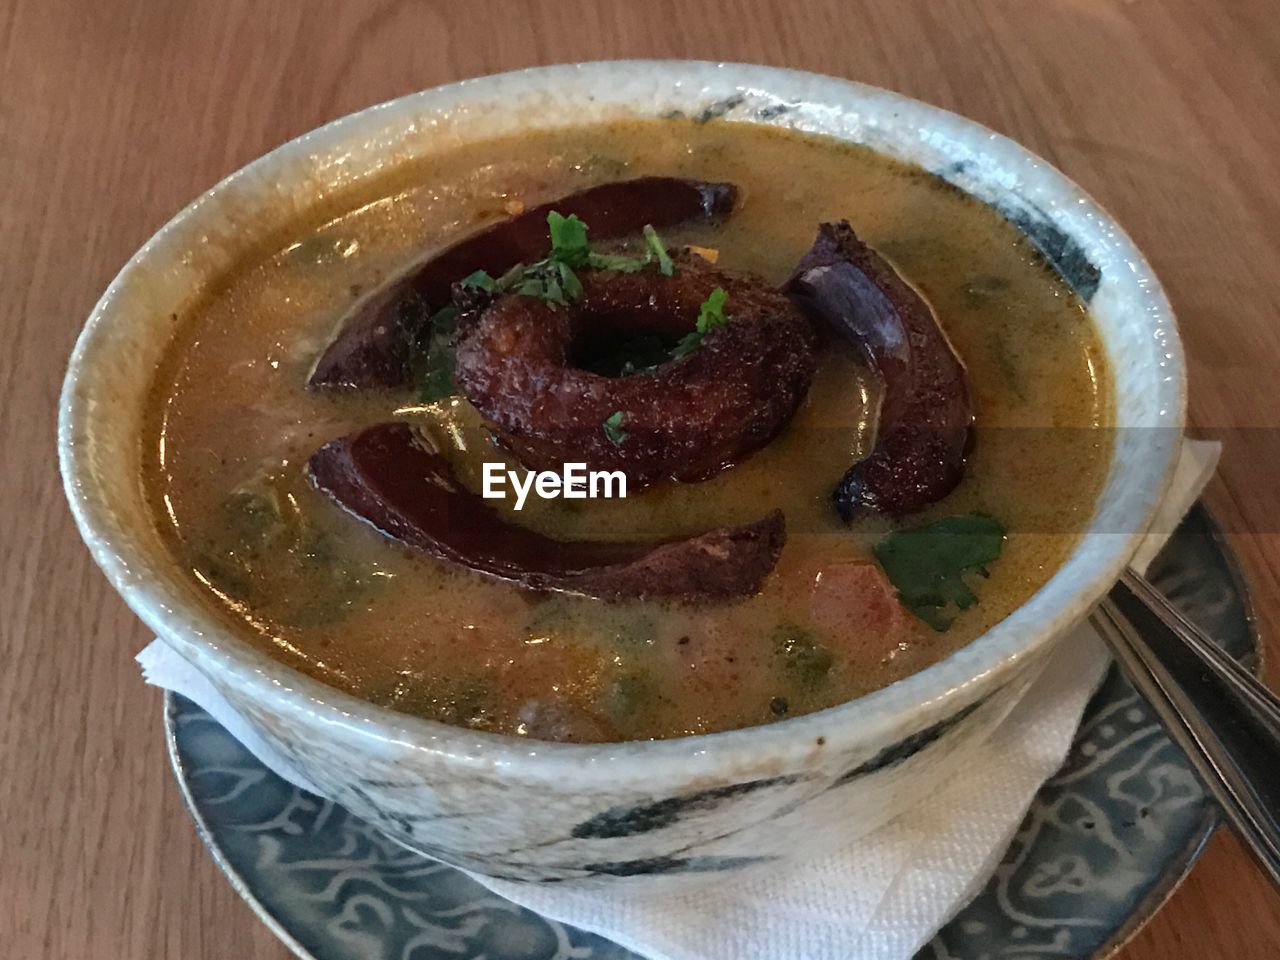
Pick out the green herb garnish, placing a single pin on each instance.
(658, 250)
(480, 280)
(806, 661)
(628, 695)
(635, 630)
(612, 427)
(253, 520)
(617, 262)
(710, 315)
(261, 550)
(688, 343)
(553, 279)
(544, 285)
(432, 357)
(568, 239)
(569, 281)
(928, 565)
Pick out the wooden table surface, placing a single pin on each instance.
(115, 113)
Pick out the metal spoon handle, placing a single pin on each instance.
(1226, 722)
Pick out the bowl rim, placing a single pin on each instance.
(987, 660)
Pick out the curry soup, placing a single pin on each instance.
(232, 427)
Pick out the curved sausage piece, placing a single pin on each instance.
(684, 419)
(390, 477)
(926, 416)
(372, 348)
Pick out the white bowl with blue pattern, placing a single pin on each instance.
(646, 812)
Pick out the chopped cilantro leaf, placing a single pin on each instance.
(628, 695)
(432, 359)
(568, 239)
(552, 292)
(688, 343)
(636, 631)
(553, 279)
(710, 315)
(569, 281)
(612, 427)
(658, 250)
(542, 285)
(806, 661)
(481, 281)
(511, 278)
(550, 279)
(927, 565)
(618, 263)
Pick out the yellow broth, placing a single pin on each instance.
(232, 427)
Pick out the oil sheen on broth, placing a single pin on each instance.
(232, 427)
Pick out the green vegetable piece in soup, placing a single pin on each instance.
(260, 550)
(254, 520)
(628, 696)
(927, 565)
(340, 585)
(550, 617)
(805, 661)
(248, 525)
(432, 358)
(639, 630)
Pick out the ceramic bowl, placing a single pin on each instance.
(647, 813)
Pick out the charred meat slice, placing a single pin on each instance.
(926, 416)
(372, 348)
(391, 477)
(684, 419)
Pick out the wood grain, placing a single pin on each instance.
(114, 114)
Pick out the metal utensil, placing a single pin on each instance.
(1226, 722)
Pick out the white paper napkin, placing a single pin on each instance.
(879, 897)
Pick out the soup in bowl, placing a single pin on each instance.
(625, 470)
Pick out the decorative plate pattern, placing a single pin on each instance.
(1104, 844)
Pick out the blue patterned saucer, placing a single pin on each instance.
(1106, 841)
